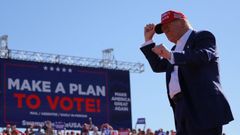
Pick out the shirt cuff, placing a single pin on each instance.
(147, 43)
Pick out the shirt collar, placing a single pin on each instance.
(184, 37)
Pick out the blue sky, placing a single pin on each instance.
(86, 27)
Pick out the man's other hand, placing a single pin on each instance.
(162, 51)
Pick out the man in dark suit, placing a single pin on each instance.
(192, 75)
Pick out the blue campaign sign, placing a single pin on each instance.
(141, 121)
(33, 92)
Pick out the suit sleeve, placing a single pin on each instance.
(157, 64)
(202, 51)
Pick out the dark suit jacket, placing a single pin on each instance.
(199, 79)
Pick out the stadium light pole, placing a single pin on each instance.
(4, 46)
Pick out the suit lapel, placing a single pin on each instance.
(190, 40)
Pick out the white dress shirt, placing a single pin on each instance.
(174, 86)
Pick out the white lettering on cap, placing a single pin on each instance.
(165, 14)
(165, 18)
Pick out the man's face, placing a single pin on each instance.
(172, 30)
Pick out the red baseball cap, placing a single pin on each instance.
(167, 17)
